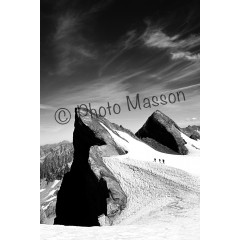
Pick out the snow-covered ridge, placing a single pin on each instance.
(142, 152)
(162, 198)
(155, 192)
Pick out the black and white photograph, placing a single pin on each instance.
(118, 86)
(119, 119)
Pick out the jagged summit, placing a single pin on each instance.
(165, 131)
(192, 131)
(83, 195)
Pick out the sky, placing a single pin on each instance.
(102, 51)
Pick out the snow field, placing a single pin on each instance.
(178, 231)
(141, 151)
(152, 188)
(162, 199)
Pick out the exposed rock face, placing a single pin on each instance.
(55, 149)
(192, 131)
(55, 160)
(163, 130)
(89, 189)
(195, 136)
(158, 146)
(42, 216)
(48, 197)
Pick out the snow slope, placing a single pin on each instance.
(155, 192)
(55, 183)
(162, 199)
(163, 203)
(142, 152)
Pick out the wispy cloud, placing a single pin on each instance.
(189, 43)
(156, 38)
(124, 44)
(179, 48)
(112, 88)
(193, 119)
(45, 107)
(70, 46)
(66, 25)
(185, 55)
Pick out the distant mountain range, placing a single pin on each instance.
(192, 131)
(55, 160)
(82, 165)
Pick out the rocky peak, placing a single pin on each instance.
(89, 189)
(164, 130)
(192, 131)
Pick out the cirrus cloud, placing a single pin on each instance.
(179, 47)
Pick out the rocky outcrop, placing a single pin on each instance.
(42, 216)
(89, 189)
(158, 146)
(192, 131)
(163, 130)
(55, 160)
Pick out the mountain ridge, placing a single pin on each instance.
(103, 140)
